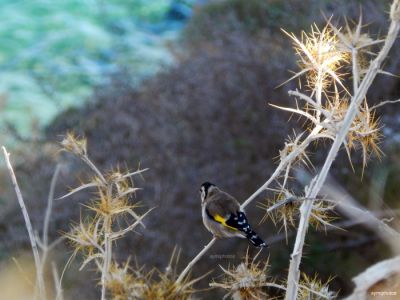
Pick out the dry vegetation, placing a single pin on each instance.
(337, 66)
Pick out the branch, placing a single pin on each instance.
(297, 111)
(384, 103)
(310, 101)
(284, 162)
(281, 167)
(39, 273)
(195, 260)
(45, 237)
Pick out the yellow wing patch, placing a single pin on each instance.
(221, 220)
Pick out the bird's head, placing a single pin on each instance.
(206, 190)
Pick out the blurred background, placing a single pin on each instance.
(181, 87)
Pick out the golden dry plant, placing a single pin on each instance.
(127, 283)
(112, 208)
(283, 210)
(313, 288)
(329, 60)
(247, 281)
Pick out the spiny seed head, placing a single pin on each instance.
(293, 144)
(319, 55)
(247, 281)
(365, 135)
(128, 283)
(365, 132)
(338, 107)
(106, 204)
(322, 214)
(312, 288)
(353, 38)
(284, 215)
(120, 281)
(83, 236)
(74, 144)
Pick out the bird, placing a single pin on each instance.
(223, 217)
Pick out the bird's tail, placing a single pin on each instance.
(255, 239)
(240, 222)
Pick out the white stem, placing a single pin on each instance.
(195, 260)
(57, 281)
(282, 165)
(50, 199)
(107, 256)
(35, 251)
(356, 76)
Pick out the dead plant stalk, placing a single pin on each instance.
(34, 245)
(317, 183)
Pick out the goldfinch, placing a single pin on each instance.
(223, 217)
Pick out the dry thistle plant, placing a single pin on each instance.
(126, 283)
(94, 236)
(247, 281)
(329, 59)
(333, 113)
(312, 288)
(283, 210)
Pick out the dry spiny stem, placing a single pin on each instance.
(283, 210)
(319, 56)
(358, 45)
(323, 59)
(322, 214)
(360, 89)
(312, 288)
(74, 144)
(322, 54)
(111, 206)
(125, 283)
(285, 215)
(247, 281)
(364, 134)
(293, 143)
(84, 237)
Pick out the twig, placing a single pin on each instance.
(106, 256)
(195, 260)
(39, 274)
(57, 282)
(50, 199)
(384, 103)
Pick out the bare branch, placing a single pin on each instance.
(79, 188)
(384, 103)
(45, 236)
(36, 256)
(195, 260)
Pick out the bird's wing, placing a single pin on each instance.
(223, 208)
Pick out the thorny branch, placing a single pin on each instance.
(335, 126)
